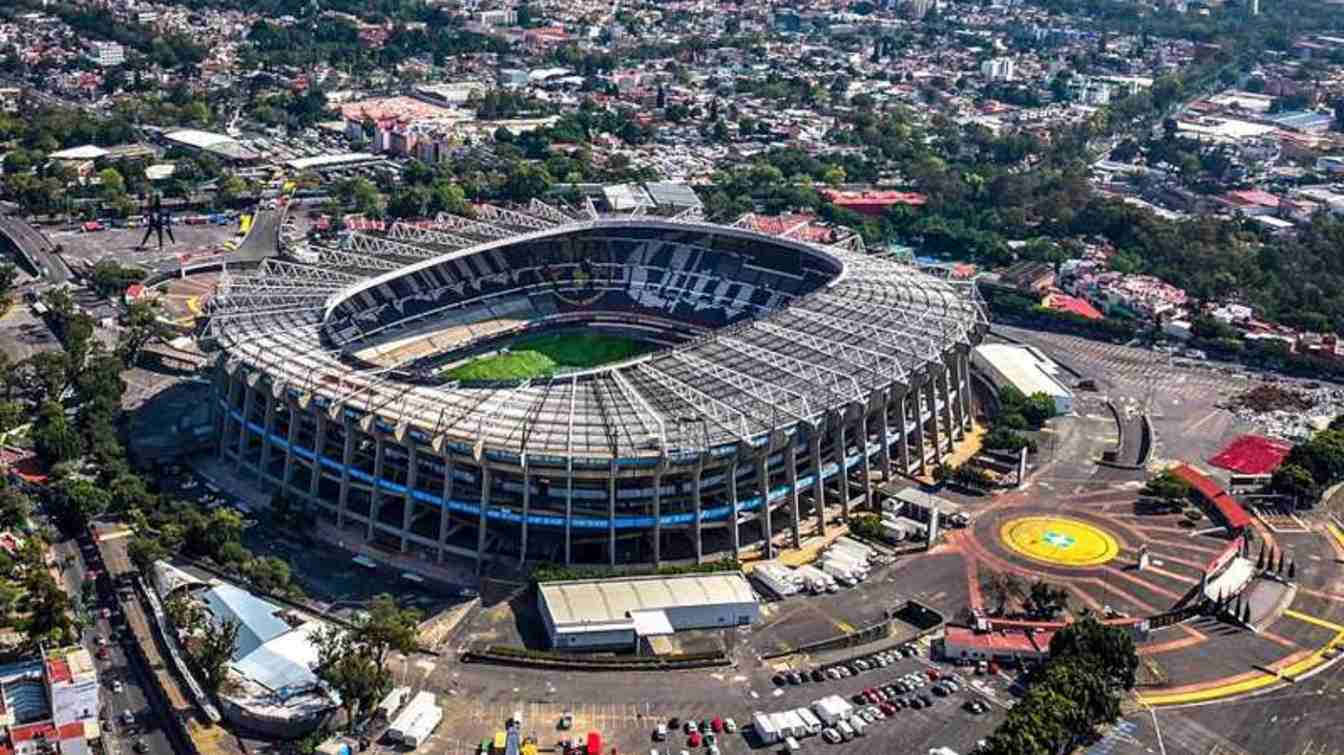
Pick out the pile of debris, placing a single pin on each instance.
(1293, 413)
(1268, 397)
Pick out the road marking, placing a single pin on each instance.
(1313, 620)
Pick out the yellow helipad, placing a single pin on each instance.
(1059, 541)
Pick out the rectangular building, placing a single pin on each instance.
(1024, 368)
(608, 613)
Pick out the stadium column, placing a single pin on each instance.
(264, 465)
(791, 470)
(818, 484)
(249, 396)
(916, 403)
(695, 493)
(376, 488)
(443, 502)
(235, 387)
(953, 428)
(902, 438)
(863, 455)
(527, 504)
(763, 481)
(611, 512)
(408, 504)
(319, 448)
(291, 434)
(569, 504)
(931, 394)
(347, 458)
(736, 534)
(658, 511)
(842, 473)
(480, 523)
(885, 434)
(964, 391)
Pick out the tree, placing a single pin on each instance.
(77, 501)
(351, 669)
(9, 275)
(15, 508)
(1109, 651)
(212, 651)
(388, 627)
(1293, 480)
(53, 437)
(1167, 487)
(1002, 588)
(1045, 601)
(143, 327)
(1038, 408)
(143, 551)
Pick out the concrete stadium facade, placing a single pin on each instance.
(765, 413)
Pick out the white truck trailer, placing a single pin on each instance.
(855, 563)
(810, 719)
(854, 546)
(416, 721)
(765, 728)
(777, 578)
(840, 572)
(815, 579)
(832, 709)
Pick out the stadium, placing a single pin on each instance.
(432, 385)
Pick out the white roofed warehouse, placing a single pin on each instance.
(1024, 368)
(779, 374)
(617, 613)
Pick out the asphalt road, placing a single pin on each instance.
(81, 560)
(37, 246)
(261, 240)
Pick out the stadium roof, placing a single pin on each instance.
(790, 330)
(608, 601)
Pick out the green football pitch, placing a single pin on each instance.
(541, 356)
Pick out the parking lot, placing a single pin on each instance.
(625, 708)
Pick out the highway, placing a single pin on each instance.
(37, 247)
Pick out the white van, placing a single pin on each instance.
(791, 744)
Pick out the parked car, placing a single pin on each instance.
(729, 725)
(831, 735)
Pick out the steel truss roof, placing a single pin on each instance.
(877, 324)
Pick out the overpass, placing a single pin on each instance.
(34, 249)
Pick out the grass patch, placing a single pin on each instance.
(541, 356)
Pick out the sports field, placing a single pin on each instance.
(541, 356)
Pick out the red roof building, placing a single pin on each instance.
(873, 203)
(1252, 455)
(1072, 304)
(1233, 514)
